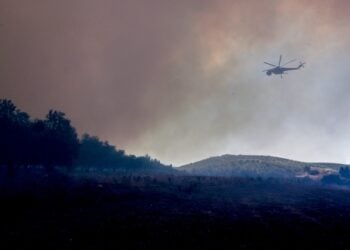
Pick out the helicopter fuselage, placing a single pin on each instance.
(281, 70)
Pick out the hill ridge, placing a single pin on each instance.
(254, 165)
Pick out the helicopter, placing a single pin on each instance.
(280, 70)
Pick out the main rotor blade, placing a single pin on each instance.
(270, 64)
(288, 62)
(279, 63)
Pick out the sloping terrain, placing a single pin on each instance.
(253, 166)
(174, 212)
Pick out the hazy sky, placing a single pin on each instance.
(182, 80)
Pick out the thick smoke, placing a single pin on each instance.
(183, 80)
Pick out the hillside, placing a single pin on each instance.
(253, 165)
(171, 212)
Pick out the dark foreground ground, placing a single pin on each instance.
(168, 212)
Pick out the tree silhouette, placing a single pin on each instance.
(53, 142)
(95, 153)
(58, 140)
(14, 136)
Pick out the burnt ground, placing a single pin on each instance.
(171, 212)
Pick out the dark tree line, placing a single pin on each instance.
(53, 142)
(26, 142)
(96, 154)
